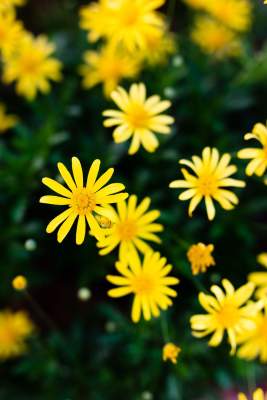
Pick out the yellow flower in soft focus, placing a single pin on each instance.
(96, 18)
(149, 283)
(235, 14)
(227, 311)
(260, 278)
(19, 283)
(83, 199)
(108, 66)
(132, 226)
(215, 39)
(32, 67)
(6, 121)
(11, 32)
(6, 5)
(140, 118)
(211, 177)
(257, 395)
(170, 352)
(254, 342)
(159, 47)
(258, 156)
(15, 328)
(199, 255)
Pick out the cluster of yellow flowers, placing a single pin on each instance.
(27, 61)
(133, 34)
(218, 25)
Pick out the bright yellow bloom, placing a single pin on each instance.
(235, 14)
(260, 278)
(83, 200)
(96, 18)
(159, 47)
(257, 395)
(199, 255)
(170, 352)
(139, 118)
(215, 39)
(132, 225)
(254, 342)
(19, 283)
(32, 67)
(225, 312)
(212, 176)
(258, 156)
(11, 32)
(149, 282)
(6, 121)
(108, 66)
(15, 328)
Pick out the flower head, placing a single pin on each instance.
(15, 328)
(83, 200)
(260, 278)
(199, 255)
(258, 156)
(227, 311)
(211, 177)
(132, 225)
(257, 395)
(6, 121)
(140, 118)
(170, 352)
(11, 32)
(32, 67)
(19, 283)
(148, 282)
(108, 66)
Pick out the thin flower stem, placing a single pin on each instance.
(251, 378)
(164, 328)
(170, 11)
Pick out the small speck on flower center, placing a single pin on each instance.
(83, 201)
(127, 230)
(228, 316)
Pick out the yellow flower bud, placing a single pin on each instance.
(19, 282)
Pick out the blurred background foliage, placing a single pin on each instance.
(93, 351)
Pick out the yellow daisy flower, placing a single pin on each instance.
(108, 66)
(215, 38)
(139, 118)
(257, 395)
(132, 225)
(83, 200)
(254, 342)
(11, 32)
(212, 176)
(170, 352)
(260, 278)
(32, 67)
(227, 311)
(6, 121)
(148, 281)
(15, 328)
(199, 255)
(258, 156)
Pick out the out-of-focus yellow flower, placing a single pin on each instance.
(140, 118)
(19, 283)
(258, 156)
(149, 282)
(199, 255)
(257, 395)
(260, 278)
(96, 18)
(254, 342)
(170, 352)
(227, 311)
(108, 66)
(235, 14)
(15, 328)
(214, 38)
(11, 32)
(6, 121)
(32, 67)
(7, 5)
(83, 200)
(212, 176)
(159, 47)
(132, 226)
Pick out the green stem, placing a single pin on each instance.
(170, 10)
(164, 328)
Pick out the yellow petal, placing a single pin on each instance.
(65, 227)
(55, 200)
(56, 187)
(77, 172)
(81, 228)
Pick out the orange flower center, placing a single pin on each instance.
(127, 230)
(83, 201)
(263, 329)
(228, 316)
(138, 116)
(207, 185)
(143, 284)
(30, 64)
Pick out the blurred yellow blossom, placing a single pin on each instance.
(199, 255)
(6, 5)
(257, 395)
(260, 278)
(83, 199)
(15, 328)
(7, 121)
(159, 47)
(149, 283)
(211, 177)
(258, 156)
(140, 118)
(19, 283)
(133, 224)
(170, 352)
(11, 33)
(96, 18)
